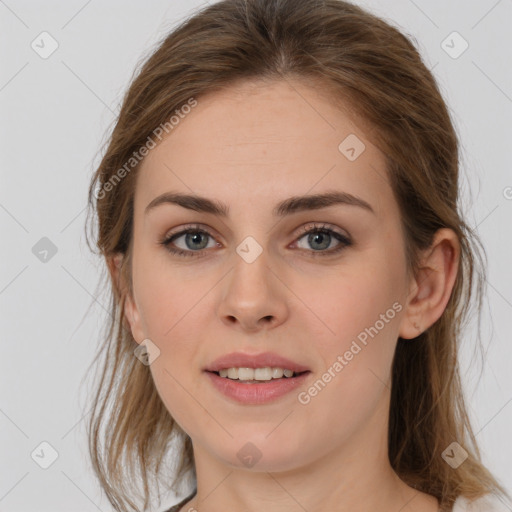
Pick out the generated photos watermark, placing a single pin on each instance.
(158, 133)
(304, 397)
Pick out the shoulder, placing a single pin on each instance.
(487, 503)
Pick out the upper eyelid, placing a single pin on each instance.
(313, 226)
(184, 230)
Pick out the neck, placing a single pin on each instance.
(354, 476)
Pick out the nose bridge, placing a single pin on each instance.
(253, 295)
(250, 280)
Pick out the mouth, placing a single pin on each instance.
(253, 391)
(257, 375)
(263, 363)
(255, 379)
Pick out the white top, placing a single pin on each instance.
(487, 503)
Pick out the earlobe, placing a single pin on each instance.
(432, 285)
(131, 314)
(133, 318)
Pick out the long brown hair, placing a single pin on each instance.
(359, 60)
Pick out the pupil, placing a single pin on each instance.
(314, 238)
(195, 238)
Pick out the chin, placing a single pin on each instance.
(259, 451)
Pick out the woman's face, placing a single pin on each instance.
(329, 301)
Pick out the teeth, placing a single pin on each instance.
(277, 373)
(266, 373)
(233, 373)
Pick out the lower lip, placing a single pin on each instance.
(260, 393)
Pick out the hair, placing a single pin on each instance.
(361, 61)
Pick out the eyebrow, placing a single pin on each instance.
(288, 206)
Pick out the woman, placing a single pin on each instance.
(278, 210)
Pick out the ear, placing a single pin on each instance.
(131, 311)
(432, 286)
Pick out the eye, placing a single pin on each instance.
(320, 237)
(193, 241)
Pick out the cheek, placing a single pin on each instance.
(368, 295)
(166, 298)
(171, 314)
(362, 310)
(352, 386)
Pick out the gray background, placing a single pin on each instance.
(55, 113)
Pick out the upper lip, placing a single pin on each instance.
(261, 360)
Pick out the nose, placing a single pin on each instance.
(254, 296)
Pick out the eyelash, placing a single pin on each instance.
(306, 230)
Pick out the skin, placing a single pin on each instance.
(252, 146)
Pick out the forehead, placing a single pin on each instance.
(261, 142)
